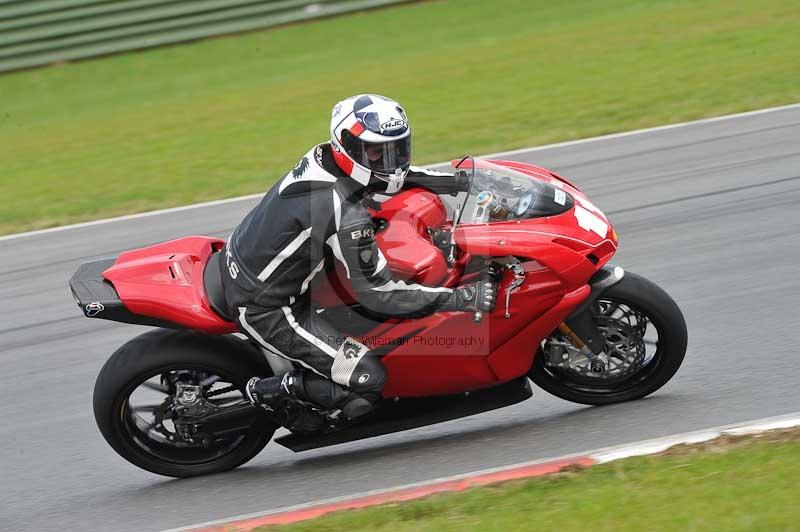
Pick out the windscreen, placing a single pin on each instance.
(498, 193)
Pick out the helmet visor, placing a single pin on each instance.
(380, 157)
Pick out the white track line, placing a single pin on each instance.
(658, 445)
(490, 155)
(600, 456)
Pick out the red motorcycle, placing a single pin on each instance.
(171, 400)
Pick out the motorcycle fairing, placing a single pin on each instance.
(165, 282)
(424, 365)
(163, 285)
(97, 297)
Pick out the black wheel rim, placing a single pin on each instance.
(635, 340)
(151, 425)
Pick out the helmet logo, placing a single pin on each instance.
(393, 124)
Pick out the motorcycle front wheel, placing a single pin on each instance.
(155, 398)
(646, 340)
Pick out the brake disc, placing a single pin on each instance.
(623, 356)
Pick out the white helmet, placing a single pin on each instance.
(371, 141)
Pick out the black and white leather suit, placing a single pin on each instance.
(316, 213)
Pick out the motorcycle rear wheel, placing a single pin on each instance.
(160, 353)
(643, 298)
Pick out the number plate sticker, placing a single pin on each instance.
(591, 222)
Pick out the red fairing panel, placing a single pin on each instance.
(566, 258)
(448, 352)
(604, 249)
(165, 282)
(574, 244)
(515, 357)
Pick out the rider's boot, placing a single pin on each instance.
(279, 395)
(331, 396)
(287, 395)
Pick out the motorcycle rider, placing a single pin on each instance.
(316, 213)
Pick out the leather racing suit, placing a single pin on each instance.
(316, 213)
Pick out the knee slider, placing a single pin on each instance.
(369, 376)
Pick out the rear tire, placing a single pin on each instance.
(663, 313)
(160, 351)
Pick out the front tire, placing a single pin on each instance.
(159, 353)
(642, 298)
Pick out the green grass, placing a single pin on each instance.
(229, 116)
(748, 484)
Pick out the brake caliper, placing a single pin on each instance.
(190, 407)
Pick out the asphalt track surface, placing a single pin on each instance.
(708, 211)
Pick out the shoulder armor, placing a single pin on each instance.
(307, 176)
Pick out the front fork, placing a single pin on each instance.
(597, 361)
(580, 329)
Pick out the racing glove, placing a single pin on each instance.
(478, 296)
